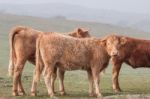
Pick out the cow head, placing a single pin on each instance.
(114, 44)
(80, 33)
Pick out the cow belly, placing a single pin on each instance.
(72, 66)
(141, 61)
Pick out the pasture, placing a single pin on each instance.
(76, 83)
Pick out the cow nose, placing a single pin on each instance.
(114, 53)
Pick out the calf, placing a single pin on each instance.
(132, 51)
(22, 48)
(68, 53)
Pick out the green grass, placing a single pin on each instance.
(76, 82)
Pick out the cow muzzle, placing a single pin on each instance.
(114, 53)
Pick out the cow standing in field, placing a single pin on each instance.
(22, 48)
(132, 51)
(68, 53)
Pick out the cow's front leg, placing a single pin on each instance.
(90, 78)
(61, 74)
(115, 74)
(95, 73)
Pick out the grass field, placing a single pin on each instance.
(76, 83)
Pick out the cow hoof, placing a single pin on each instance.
(51, 94)
(53, 97)
(15, 94)
(117, 90)
(22, 93)
(99, 96)
(33, 94)
(91, 94)
(62, 93)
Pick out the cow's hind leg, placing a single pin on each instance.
(48, 78)
(34, 82)
(17, 75)
(54, 78)
(61, 81)
(20, 87)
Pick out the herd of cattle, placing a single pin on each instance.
(54, 53)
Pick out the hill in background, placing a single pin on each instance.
(60, 24)
(75, 12)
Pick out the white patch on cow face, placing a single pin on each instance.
(112, 46)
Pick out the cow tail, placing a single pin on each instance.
(39, 63)
(12, 55)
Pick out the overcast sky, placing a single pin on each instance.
(136, 6)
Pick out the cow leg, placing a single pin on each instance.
(61, 81)
(34, 82)
(49, 78)
(20, 87)
(115, 75)
(90, 78)
(17, 73)
(96, 79)
(54, 78)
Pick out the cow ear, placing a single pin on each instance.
(103, 42)
(123, 40)
(79, 30)
(83, 32)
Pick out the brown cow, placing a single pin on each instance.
(132, 51)
(78, 33)
(68, 53)
(22, 48)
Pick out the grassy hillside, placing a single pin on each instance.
(132, 81)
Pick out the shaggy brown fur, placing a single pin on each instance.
(132, 51)
(68, 53)
(22, 48)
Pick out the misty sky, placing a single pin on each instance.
(136, 6)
